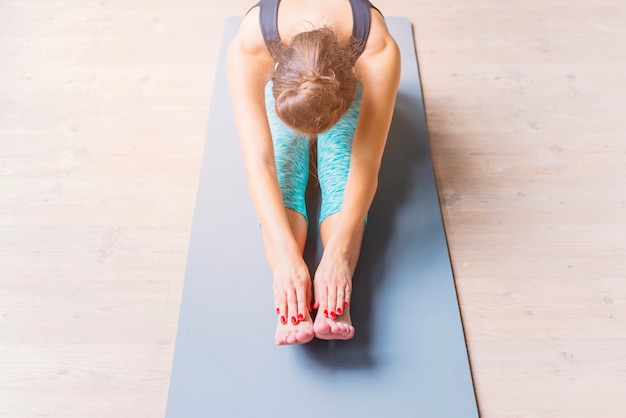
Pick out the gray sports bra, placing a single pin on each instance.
(268, 18)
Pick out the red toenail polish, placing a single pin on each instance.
(283, 320)
(301, 317)
(339, 311)
(345, 304)
(325, 312)
(277, 311)
(332, 314)
(294, 320)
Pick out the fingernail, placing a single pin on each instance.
(345, 304)
(301, 317)
(339, 311)
(325, 312)
(294, 320)
(277, 311)
(332, 314)
(283, 320)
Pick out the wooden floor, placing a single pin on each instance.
(103, 108)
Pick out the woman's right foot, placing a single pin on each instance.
(289, 333)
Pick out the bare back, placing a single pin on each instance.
(295, 16)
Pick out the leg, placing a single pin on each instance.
(291, 151)
(301, 330)
(335, 323)
(334, 150)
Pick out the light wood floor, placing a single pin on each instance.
(103, 107)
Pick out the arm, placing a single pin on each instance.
(249, 67)
(379, 71)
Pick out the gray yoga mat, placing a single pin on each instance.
(408, 357)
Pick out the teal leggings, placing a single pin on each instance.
(291, 151)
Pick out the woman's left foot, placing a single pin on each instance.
(337, 328)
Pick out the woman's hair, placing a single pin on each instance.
(314, 82)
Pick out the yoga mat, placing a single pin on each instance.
(408, 357)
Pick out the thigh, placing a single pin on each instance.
(333, 158)
(291, 152)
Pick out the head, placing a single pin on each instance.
(314, 81)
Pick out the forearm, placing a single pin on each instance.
(358, 196)
(248, 66)
(343, 237)
(380, 75)
(267, 200)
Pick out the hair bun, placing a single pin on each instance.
(314, 83)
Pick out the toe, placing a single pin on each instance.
(322, 328)
(304, 336)
(279, 339)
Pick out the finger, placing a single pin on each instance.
(347, 297)
(321, 298)
(292, 306)
(340, 299)
(280, 303)
(332, 301)
(309, 297)
(301, 295)
(315, 296)
(282, 307)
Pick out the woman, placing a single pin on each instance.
(323, 72)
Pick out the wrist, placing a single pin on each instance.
(289, 254)
(338, 245)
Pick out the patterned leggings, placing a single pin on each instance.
(291, 151)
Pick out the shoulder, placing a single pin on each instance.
(249, 63)
(249, 38)
(379, 39)
(381, 49)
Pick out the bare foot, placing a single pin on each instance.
(299, 333)
(338, 328)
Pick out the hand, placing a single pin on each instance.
(333, 284)
(292, 289)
